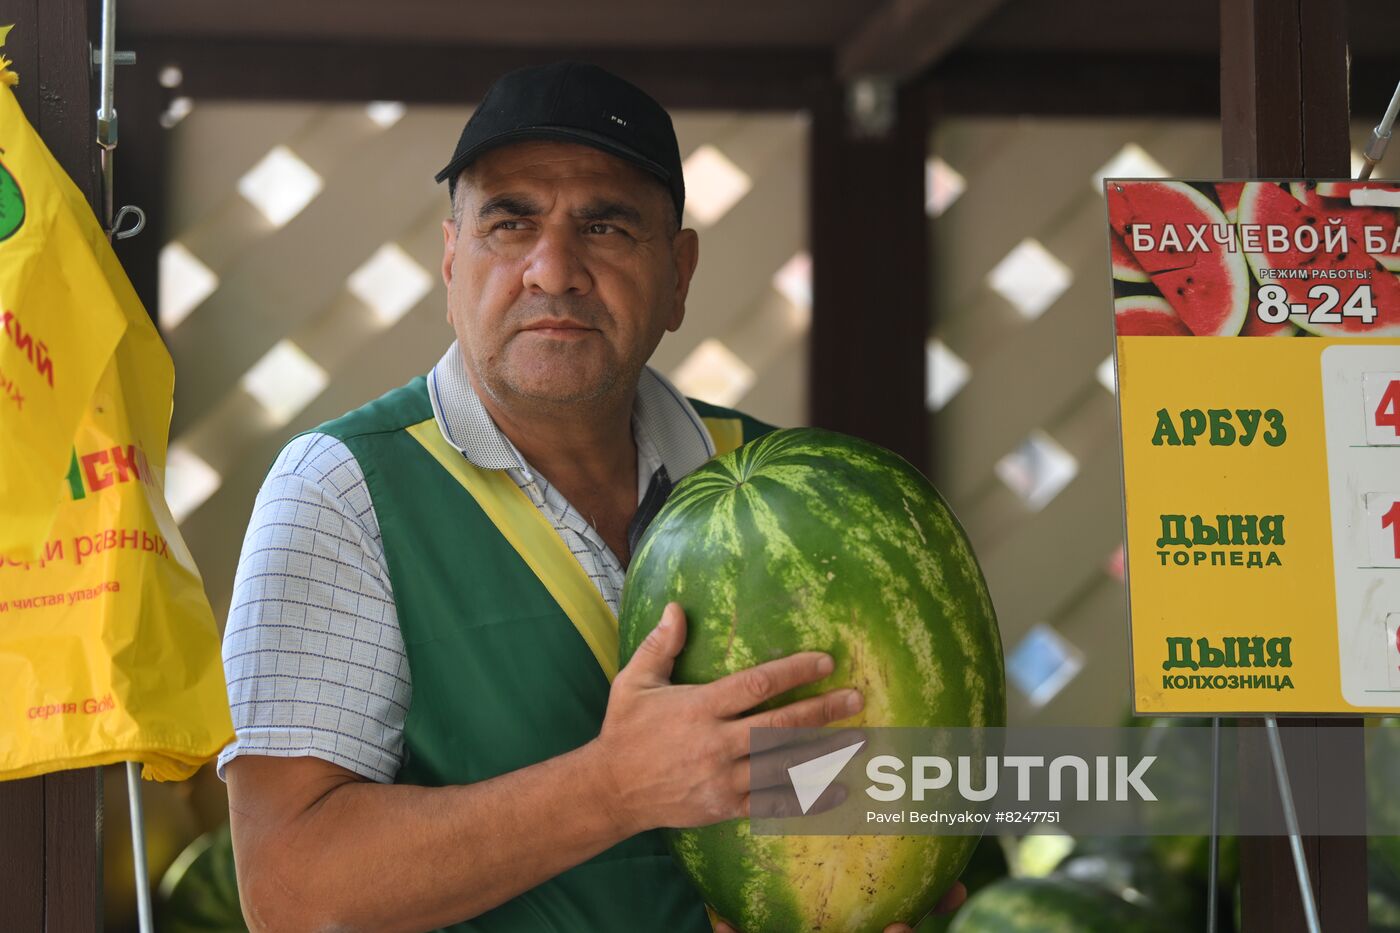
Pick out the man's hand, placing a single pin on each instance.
(678, 755)
(948, 903)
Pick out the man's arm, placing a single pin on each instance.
(320, 848)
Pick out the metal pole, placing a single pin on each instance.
(1380, 136)
(138, 845)
(106, 112)
(1212, 905)
(107, 142)
(1290, 819)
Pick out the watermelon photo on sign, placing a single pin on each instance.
(1205, 249)
(1209, 290)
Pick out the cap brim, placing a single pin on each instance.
(561, 133)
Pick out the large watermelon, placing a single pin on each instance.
(1266, 203)
(1053, 905)
(810, 540)
(1209, 289)
(986, 867)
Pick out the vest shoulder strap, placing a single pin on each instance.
(534, 538)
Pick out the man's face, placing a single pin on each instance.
(563, 272)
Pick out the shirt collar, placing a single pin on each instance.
(660, 416)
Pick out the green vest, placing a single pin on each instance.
(510, 651)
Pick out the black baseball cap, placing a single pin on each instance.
(579, 103)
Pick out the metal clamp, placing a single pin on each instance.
(129, 210)
(1380, 136)
(118, 58)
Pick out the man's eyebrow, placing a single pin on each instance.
(611, 210)
(507, 205)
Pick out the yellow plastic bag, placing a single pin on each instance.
(108, 647)
(48, 366)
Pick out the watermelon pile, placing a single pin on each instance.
(811, 540)
(1169, 291)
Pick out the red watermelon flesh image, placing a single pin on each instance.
(1208, 288)
(1334, 197)
(1125, 267)
(1267, 203)
(1229, 194)
(1254, 327)
(1147, 316)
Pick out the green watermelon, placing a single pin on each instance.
(1383, 883)
(1209, 289)
(810, 540)
(11, 204)
(986, 867)
(1146, 316)
(1133, 872)
(199, 893)
(1053, 905)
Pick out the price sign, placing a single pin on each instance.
(1381, 401)
(1261, 476)
(1383, 528)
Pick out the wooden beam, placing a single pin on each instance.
(22, 851)
(870, 280)
(737, 78)
(1284, 114)
(970, 83)
(50, 826)
(904, 38)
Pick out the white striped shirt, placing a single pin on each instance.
(312, 651)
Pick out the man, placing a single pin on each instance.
(423, 627)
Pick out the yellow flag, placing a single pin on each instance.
(108, 648)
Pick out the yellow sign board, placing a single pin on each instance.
(1261, 476)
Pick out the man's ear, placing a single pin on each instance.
(685, 253)
(449, 249)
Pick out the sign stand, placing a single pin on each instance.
(1375, 151)
(1290, 819)
(138, 845)
(1212, 884)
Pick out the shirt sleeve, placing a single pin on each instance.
(312, 652)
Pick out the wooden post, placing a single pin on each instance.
(870, 279)
(1284, 114)
(51, 826)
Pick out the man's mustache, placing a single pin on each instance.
(573, 313)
